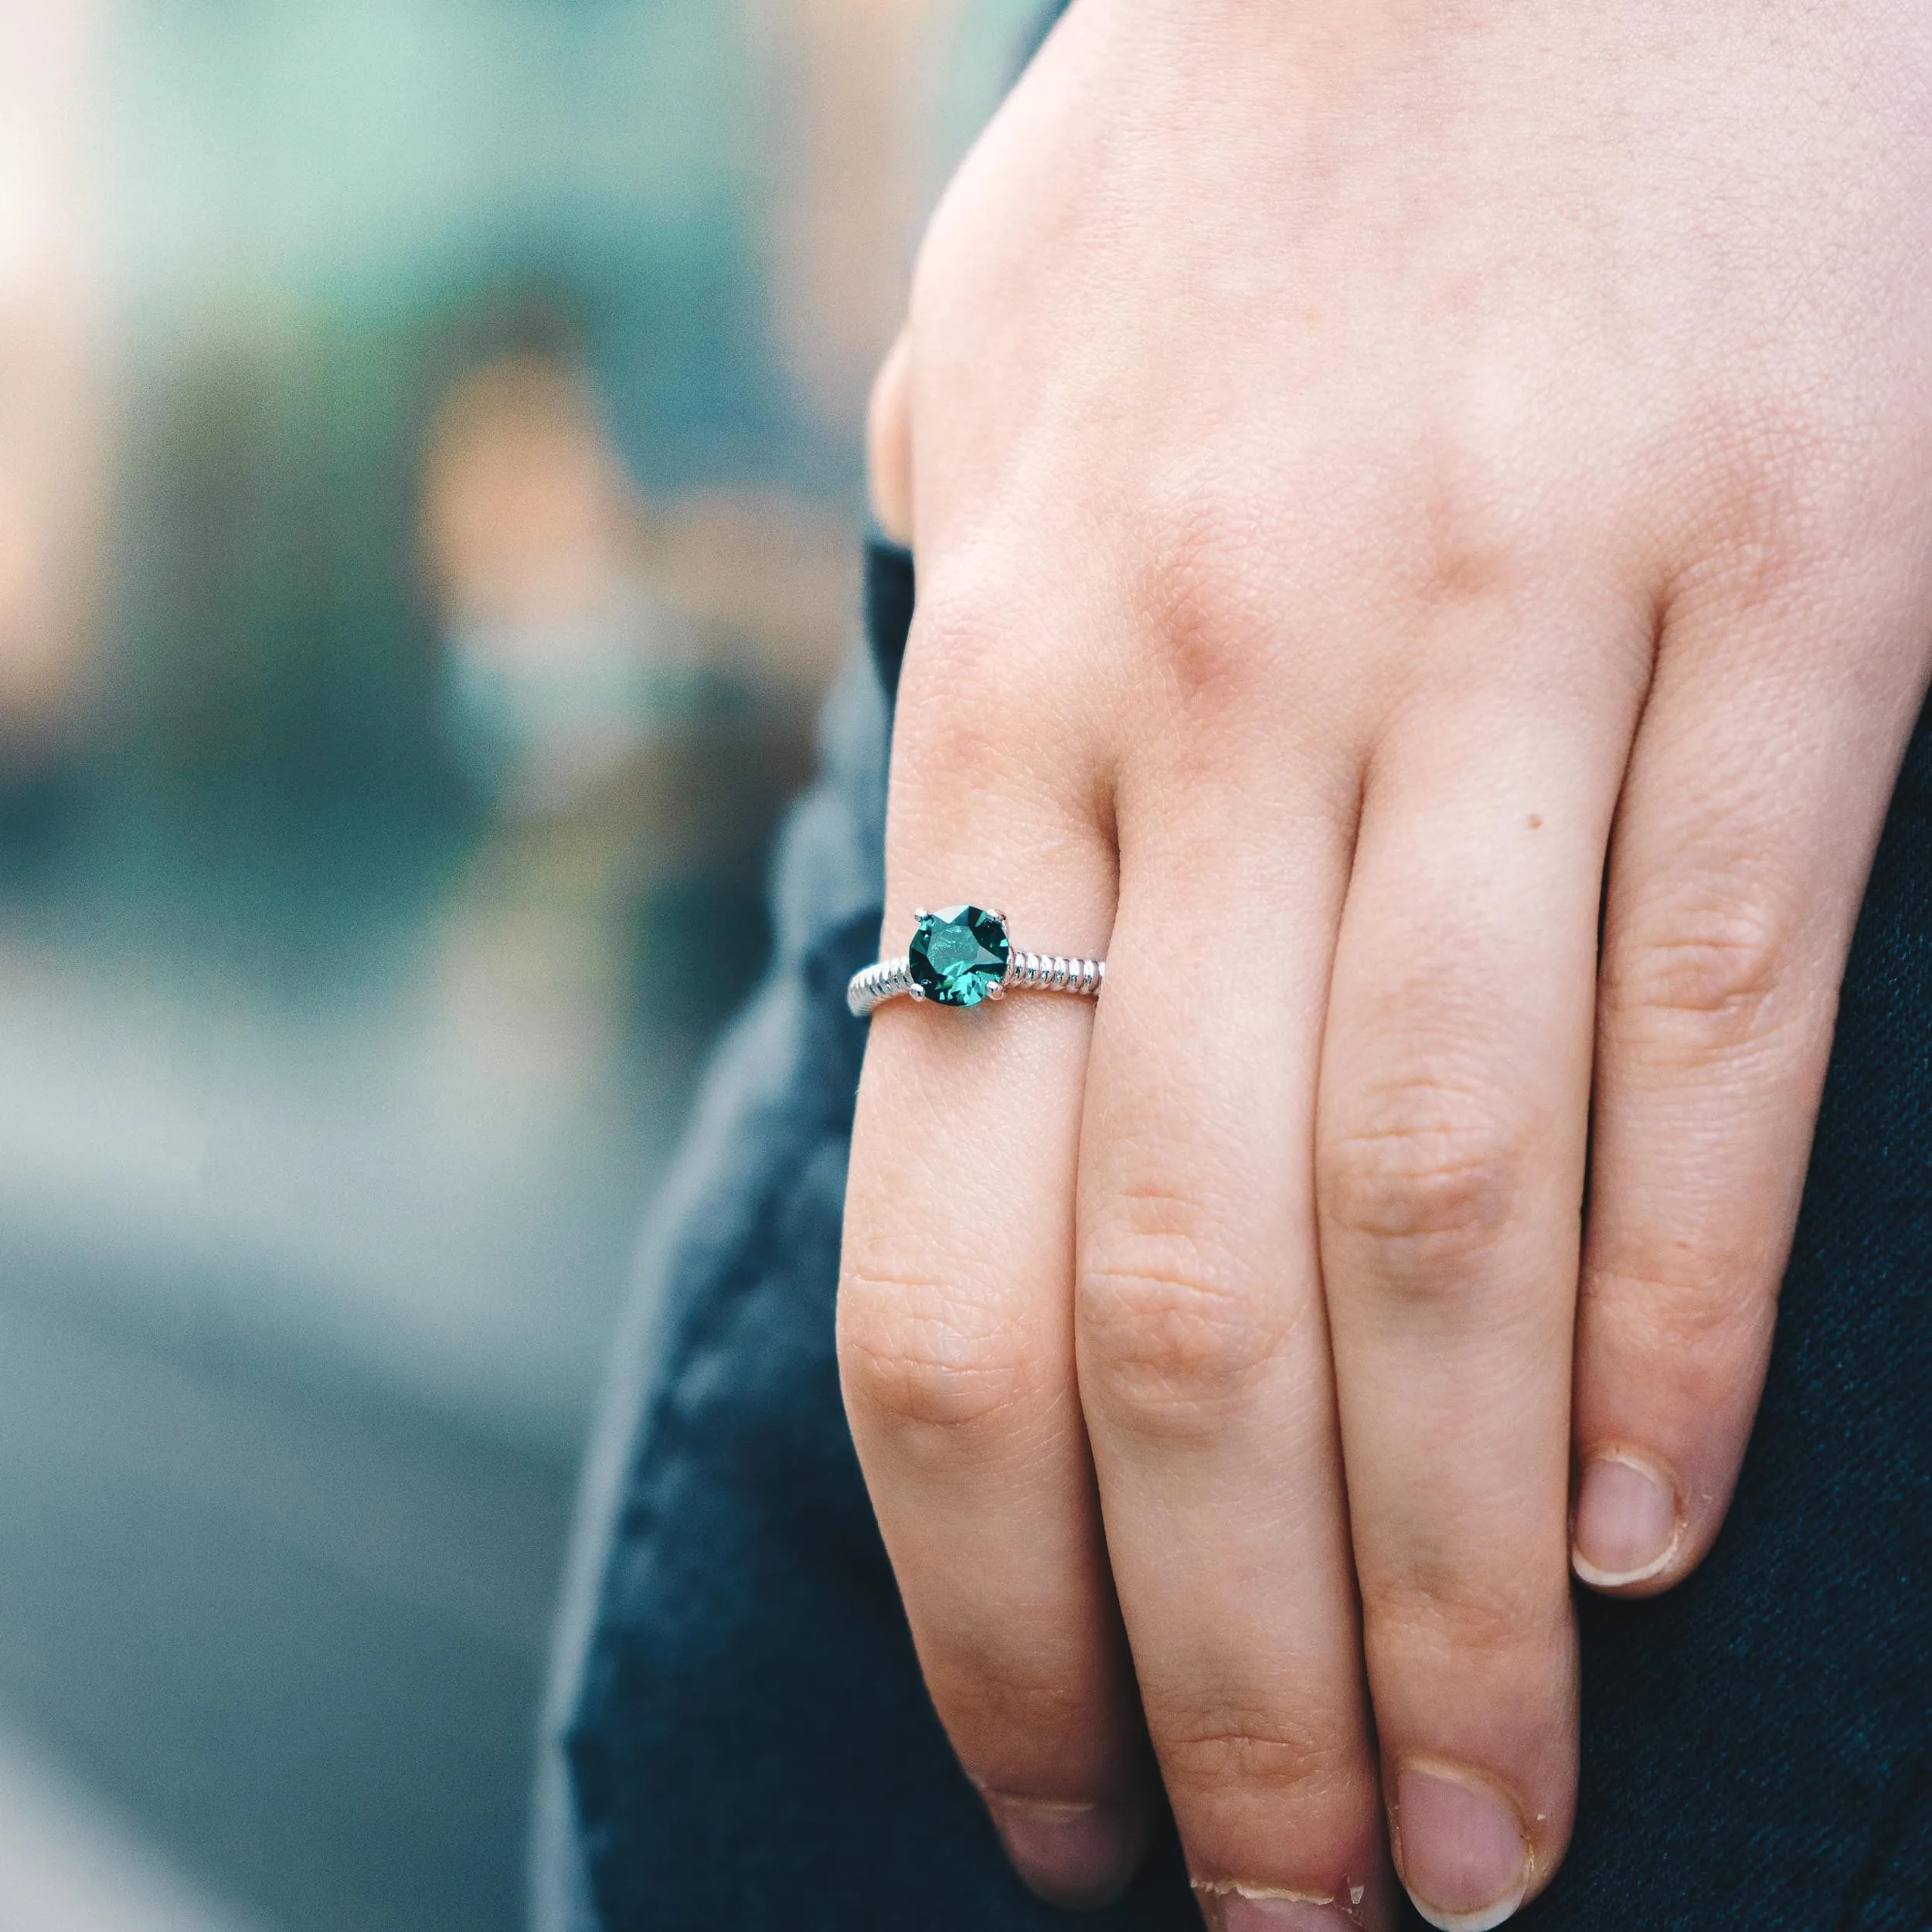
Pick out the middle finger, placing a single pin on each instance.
(1202, 1352)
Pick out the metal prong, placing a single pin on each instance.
(917, 992)
(919, 911)
(996, 993)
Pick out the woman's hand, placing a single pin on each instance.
(1423, 514)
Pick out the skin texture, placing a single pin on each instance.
(1424, 525)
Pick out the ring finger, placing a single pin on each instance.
(955, 1324)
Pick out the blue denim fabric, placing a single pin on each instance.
(738, 1735)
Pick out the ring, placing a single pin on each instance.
(963, 955)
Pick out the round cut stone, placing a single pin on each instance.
(959, 956)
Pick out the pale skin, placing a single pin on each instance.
(1424, 513)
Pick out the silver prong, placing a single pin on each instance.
(919, 911)
(917, 992)
(996, 993)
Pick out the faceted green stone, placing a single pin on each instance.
(959, 956)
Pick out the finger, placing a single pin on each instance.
(1756, 789)
(955, 1324)
(1203, 1352)
(889, 443)
(1450, 1149)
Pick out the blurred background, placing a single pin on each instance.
(430, 480)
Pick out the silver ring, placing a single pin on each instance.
(963, 955)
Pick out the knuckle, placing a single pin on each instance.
(1008, 1701)
(1212, 1753)
(913, 1354)
(1465, 546)
(1166, 1344)
(1695, 1321)
(967, 719)
(1220, 648)
(1776, 498)
(1702, 978)
(1441, 1608)
(956, 627)
(970, 688)
(1425, 1172)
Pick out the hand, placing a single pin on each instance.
(1423, 517)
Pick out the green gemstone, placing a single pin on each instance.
(959, 956)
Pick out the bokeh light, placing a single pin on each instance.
(428, 496)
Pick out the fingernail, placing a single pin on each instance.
(1077, 1855)
(1627, 1523)
(1461, 1848)
(1235, 1911)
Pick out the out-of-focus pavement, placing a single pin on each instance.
(335, 1175)
(429, 484)
(299, 1643)
(67, 1864)
(297, 1327)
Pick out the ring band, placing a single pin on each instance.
(963, 955)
